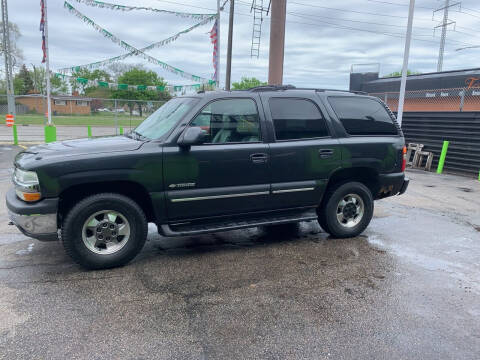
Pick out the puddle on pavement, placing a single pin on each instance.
(26, 251)
(465, 189)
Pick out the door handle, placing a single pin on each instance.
(325, 153)
(259, 158)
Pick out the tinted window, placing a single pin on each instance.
(230, 121)
(363, 116)
(296, 119)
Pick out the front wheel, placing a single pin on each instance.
(347, 211)
(104, 231)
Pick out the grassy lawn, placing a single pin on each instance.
(98, 119)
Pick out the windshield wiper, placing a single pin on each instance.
(136, 135)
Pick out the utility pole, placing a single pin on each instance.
(277, 42)
(444, 24)
(229, 48)
(444, 35)
(406, 53)
(217, 78)
(8, 59)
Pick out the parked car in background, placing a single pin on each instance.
(212, 162)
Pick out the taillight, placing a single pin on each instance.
(404, 158)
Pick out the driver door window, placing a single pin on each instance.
(230, 121)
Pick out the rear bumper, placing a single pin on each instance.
(37, 220)
(392, 184)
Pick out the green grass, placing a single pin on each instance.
(100, 119)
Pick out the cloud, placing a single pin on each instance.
(321, 43)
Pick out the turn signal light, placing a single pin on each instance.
(29, 196)
(404, 158)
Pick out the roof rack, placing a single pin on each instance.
(271, 88)
(350, 91)
(291, 87)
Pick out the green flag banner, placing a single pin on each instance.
(101, 4)
(115, 86)
(149, 47)
(130, 48)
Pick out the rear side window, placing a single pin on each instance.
(297, 119)
(363, 116)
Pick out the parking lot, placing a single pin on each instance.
(408, 288)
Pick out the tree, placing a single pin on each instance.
(117, 69)
(84, 73)
(23, 81)
(399, 73)
(247, 83)
(15, 52)
(143, 78)
(57, 84)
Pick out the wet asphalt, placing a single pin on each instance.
(408, 288)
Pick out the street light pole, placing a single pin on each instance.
(8, 59)
(406, 53)
(217, 78)
(229, 48)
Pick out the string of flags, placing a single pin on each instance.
(132, 49)
(115, 86)
(132, 53)
(101, 4)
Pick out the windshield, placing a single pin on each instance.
(162, 120)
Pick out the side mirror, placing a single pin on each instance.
(192, 136)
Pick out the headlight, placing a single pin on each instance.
(27, 186)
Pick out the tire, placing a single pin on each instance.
(322, 220)
(122, 237)
(347, 211)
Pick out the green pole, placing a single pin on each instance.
(442, 157)
(479, 176)
(50, 133)
(89, 131)
(15, 135)
(121, 130)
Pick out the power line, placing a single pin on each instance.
(397, 4)
(357, 11)
(397, 35)
(315, 17)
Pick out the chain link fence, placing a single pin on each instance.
(72, 115)
(439, 100)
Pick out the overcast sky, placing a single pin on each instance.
(323, 37)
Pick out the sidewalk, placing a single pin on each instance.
(35, 133)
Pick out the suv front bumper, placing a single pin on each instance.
(37, 220)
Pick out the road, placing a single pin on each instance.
(408, 288)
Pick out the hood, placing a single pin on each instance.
(78, 147)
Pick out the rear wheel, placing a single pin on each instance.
(347, 211)
(104, 231)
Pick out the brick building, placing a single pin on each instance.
(62, 104)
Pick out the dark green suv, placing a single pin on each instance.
(211, 162)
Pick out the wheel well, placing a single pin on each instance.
(135, 191)
(366, 176)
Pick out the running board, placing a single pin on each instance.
(185, 229)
